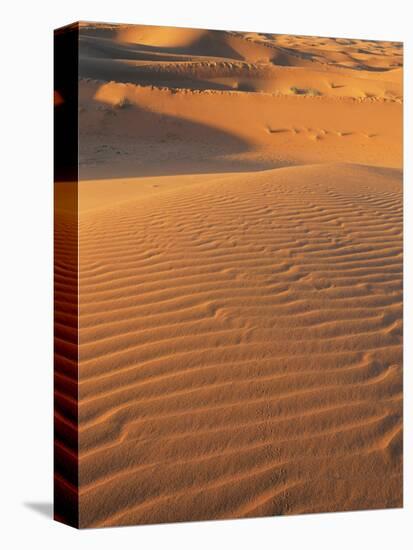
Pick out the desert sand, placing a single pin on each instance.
(240, 277)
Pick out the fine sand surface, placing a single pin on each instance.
(240, 280)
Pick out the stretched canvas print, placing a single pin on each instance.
(228, 274)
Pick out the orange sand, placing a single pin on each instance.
(240, 245)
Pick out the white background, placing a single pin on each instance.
(26, 273)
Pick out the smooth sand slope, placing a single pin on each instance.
(240, 248)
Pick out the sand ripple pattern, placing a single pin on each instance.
(241, 348)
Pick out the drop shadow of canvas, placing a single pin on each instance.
(43, 508)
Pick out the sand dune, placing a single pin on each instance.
(213, 125)
(193, 388)
(240, 277)
(201, 59)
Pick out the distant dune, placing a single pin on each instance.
(164, 100)
(240, 277)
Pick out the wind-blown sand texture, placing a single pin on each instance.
(240, 277)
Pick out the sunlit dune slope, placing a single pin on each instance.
(127, 128)
(240, 345)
